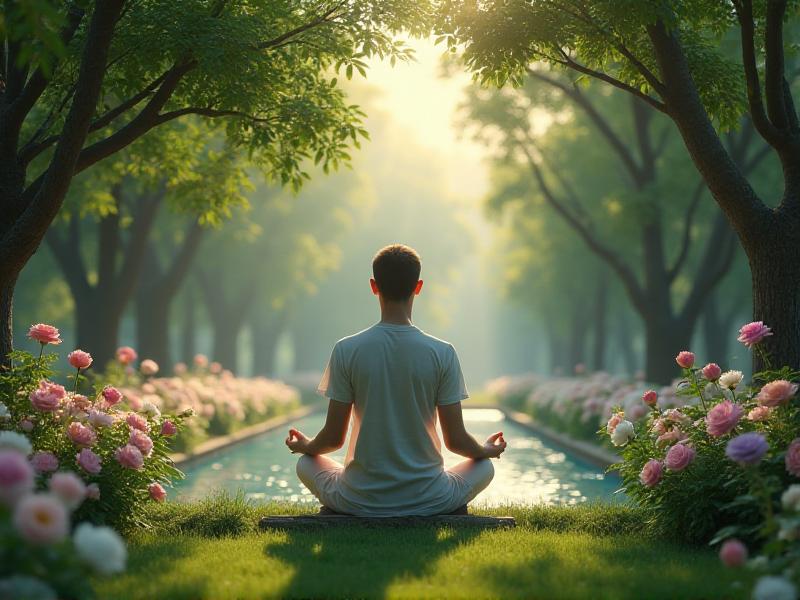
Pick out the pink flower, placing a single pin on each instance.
(157, 492)
(793, 458)
(650, 398)
(44, 334)
(100, 419)
(168, 428)
(216, 368)
(137, 422)
(129, 456)
(79, 359)
(759, 413)
(26, 425)
(678, 457)
(712, 371)
(142, 441)
(685, 359)
(41, 519)
(200, 361)
(651, 473)
(753, 333)
(733, 553)
(93, 491)
(80, 402)
(48, 396)
(126, 355)
(671, 436)
(777, 392)
(149, 367)
(659, 426)
(615, 420)
(89, 461)
(723, 418)
(179, 368)
(69, 488)
(111, 395)
(44, 462)
(81, 434)
(16, 477)
(676, 416)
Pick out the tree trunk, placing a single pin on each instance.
(189, 326)
(98, 328)
(625, 340)
(152, 328)
(226, 344)
(600, 318)
(776, 300)
(266, 332)
(716, 332)
(6, 309)
(664, 338)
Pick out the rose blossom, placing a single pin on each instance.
(659, 426)
(623, 433)
(747, 449)
(650, 398)
(149, 367)
(685, 359)
(69, 487)
(150, 409)
(129, 456)
(99, 418)
(16, 477)
(731, 379)
(776, 392)
(93, 491)
(671, 436)
(790, 499)
(44, 334)
(137, 422)
(759, 413)
(157, 492)
(179, 369)
(723, 418)
(142, 441)
(79, 359)
(44, 462)
(733, 553)
(712, 371)
(753, 333)
(200, 361)
(11, 440)
(89, 461)
(111, 395)
(126, 355)
(81, 434)
(615, 420)
(679, 457)
(80, 402)
(676, 416)
(48, 396)
(792, 459)
(41, 519)
(168, 428)
(651, 473)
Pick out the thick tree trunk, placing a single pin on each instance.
(98, 326)
(664, 338)
(717, 329)
(6, 309)
(152, 329)
(776, 300)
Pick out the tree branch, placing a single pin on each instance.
(300, 29)
(177, 271)
(211, 113)
(67, 254)
(774, 74)
(688, 221)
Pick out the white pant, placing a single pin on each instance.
(313, 470)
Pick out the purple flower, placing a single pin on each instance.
(747, 449)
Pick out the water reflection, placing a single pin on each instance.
(531, 470)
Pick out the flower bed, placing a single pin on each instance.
(725, 466)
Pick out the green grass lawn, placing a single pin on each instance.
(211, 550)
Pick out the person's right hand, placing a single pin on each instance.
(495, 445)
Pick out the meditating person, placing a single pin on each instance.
(394, 379)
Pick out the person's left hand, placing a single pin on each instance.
(297, 441)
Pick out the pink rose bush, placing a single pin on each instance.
(85, 443)
(36, 523)
(706, 465)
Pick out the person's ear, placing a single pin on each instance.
(374, 285)
(418, 289)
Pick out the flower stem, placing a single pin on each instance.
(697, 388)
(41, 351)
(77, 375)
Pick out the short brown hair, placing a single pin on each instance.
(396, 271)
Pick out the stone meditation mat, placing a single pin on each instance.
(456, 521)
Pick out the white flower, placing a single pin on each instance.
(790, 499)
(151, 410)
(771, 587)
(23, 586)
(15, 441)
(730, 379)
(101, 548)
(4, 414)
(622, 434)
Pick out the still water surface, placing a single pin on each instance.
(531, 470)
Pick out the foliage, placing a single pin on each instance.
(123, 490)
(711, 494)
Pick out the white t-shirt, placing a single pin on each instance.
(395, 375)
